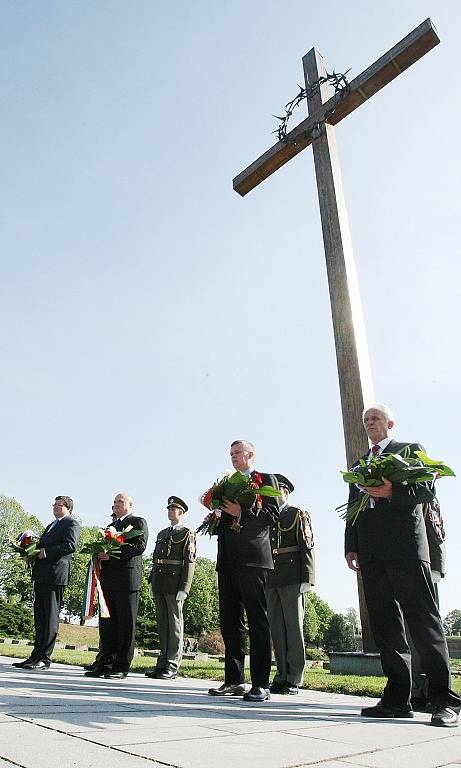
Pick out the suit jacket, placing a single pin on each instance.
(293, 531)
(59, 542)
(169, 578)
(394, 529)
(251, 546)
(124, 575)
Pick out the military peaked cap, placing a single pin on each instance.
(283, 481)
(175, 501)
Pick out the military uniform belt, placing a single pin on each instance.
(282, 550)
(167, 562)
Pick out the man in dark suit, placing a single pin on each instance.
(244, 558)
(173, 565)
(292, 543)
(388, 544)
(121, 582)
(50, 574)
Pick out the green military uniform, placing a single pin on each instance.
(292, 549)
(172, 572)
(436, 540)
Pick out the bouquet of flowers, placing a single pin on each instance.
(233, 486)
(401, 467)
(110, 541)
(26, 544)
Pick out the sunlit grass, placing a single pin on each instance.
(314, 679)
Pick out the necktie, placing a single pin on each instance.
(375, 449)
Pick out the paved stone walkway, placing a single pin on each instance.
(60, 719)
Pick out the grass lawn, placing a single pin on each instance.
(74, 634)
(314, 679)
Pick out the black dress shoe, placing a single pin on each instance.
(115, 675)
(445, 718)
(257, 694)
(40, 666)
(154, 673)
(277, 687)
(384, 710)
(290, 689)
(96, 672)
(166, 674)
(21, 664)
(238, 689)
(90, 667)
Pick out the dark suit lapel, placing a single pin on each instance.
(49, 531)
(119, 525)
(393, 447)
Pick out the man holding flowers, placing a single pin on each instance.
(243, 561)
(50, 574)
(387, 543)
(120, 582)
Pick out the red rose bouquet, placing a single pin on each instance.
(246, 490)
(26, 544)
(110, 541)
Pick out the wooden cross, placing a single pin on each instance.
(354, 370)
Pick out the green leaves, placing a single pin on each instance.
(436, 466)
(402, 468)
(133, 534)
(268, 490)
(240, 488)
(29, 551)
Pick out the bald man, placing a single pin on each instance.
(121, 582)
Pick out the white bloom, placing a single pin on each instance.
(27, 535)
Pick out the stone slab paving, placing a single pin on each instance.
(60, 719)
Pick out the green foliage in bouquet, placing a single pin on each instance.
(236, 487)
(239, 488)
(110, 541)
(401, 467)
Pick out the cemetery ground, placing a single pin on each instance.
(315, 678)
(60, 719)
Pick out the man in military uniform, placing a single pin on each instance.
(436, 540)
(292, 545)
(171, 578)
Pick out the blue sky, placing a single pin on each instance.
(150, 315)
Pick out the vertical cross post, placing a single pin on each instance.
(353, 363)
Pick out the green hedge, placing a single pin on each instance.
(16, 621)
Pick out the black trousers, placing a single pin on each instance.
(117, 633)
(243, 589)
(405, 587)
(47, 606)
(419, 682)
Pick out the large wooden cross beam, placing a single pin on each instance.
(354, 371)
(369, 82)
